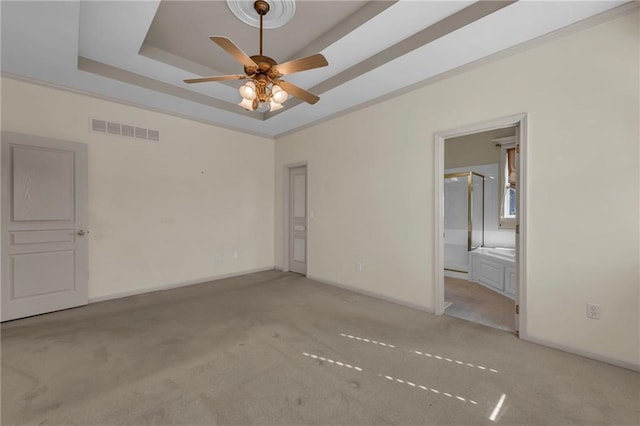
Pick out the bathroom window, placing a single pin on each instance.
(508, 185)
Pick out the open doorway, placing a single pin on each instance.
(478, 244)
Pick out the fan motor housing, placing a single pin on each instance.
(264, 64)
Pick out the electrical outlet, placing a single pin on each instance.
(359, 266)
(593, 311)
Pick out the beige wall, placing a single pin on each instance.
(371, 185)
(475, 149)
(158, 212)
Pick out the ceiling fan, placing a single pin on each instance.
(264, 73)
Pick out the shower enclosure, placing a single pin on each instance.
(463, 218)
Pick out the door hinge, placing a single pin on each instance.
(517, 309)
(517, 228)
(517, 148)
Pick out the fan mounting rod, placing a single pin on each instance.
(262, 7)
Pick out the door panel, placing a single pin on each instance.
(35, 198)
(516, 277)
(299, 250)
(41, 237)
(28, 271)
(298, 220)
(44, 210)
(299, 196)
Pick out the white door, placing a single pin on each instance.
(298, 220)
(44, 219)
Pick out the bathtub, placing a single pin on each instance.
(494, 268)
(503, 253)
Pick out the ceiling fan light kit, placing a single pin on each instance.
(254, 98)
(265, 91)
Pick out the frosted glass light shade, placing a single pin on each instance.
(274, 106)
(247, 104)
(278, 94)
(248, 90)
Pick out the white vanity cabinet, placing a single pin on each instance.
(492, 272)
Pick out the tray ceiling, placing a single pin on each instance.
(140, 51)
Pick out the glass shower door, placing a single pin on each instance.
(463, 218)
(477, 211)
(456, 222)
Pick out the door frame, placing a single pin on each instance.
(285, 214)
(439, 139)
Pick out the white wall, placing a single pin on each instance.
(474, 149)
(372, 191)
(158, 212)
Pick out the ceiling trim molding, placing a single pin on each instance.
(610, 14)
(177, 61)
(438, 30)
(37, 82)
(592, 21)
(344, 27)
(115, 73)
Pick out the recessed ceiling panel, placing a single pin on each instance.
(139, 52)
(182, 28)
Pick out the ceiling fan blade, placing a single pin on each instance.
(234, 51)
(299, 93)
(301, 64)
(217, 78)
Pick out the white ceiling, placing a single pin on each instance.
(140, 51)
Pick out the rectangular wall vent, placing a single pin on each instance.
(126, 130)
(141, 133)
(113, 128)
(99, 126)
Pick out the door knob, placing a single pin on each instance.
(82, 232)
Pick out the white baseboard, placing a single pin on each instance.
(176, 285)
(372, 294)
(586, 354)
(543, 342)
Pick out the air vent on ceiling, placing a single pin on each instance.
(117, 129)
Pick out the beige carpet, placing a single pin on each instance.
(473, 302)
(275, 348)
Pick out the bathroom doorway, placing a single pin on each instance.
(478, 183)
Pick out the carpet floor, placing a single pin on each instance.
(276, 348)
